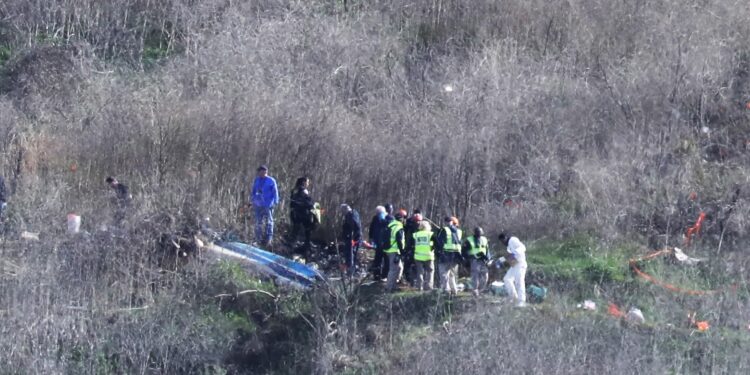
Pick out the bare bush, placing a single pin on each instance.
(542, 118)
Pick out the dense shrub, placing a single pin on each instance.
(543, 118)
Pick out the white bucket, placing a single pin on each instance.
(498, 288)
(74, 223)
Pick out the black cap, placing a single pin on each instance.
(263, 167)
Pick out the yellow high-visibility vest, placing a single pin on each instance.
(394, 227)
(449, 246)
(423, 246)
(477, 248)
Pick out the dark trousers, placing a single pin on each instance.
(350, 256)
(306, 229)
(408, 259)
(119, 216)
(380, 266)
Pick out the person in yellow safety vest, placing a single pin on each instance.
(448, 247)
(424, 255)
(394, 250)
(477, 249)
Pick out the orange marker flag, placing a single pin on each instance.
(614, 311)
(695, 229)
(702, 325)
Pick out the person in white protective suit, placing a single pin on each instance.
(515, 278)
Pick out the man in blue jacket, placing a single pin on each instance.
(264, 197)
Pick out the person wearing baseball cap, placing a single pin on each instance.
(411, 226)
(264, 197)
(448, 248)
(476, 248)
(395, 249)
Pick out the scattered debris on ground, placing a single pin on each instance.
(635, 315)
(587, 305)
(29, 236)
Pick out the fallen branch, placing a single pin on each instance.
(123, 309)
(129, 309)
(245, 292)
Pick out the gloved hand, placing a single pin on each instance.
(396, 259)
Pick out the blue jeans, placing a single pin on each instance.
(263, 214)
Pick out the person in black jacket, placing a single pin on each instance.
(301, 214)
(351, 235)
(378, 225)
(121, 200)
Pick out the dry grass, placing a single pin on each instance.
(563, 117)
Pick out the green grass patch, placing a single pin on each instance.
(580, 258)
(234, 274)
(240, 322)
(5, 54)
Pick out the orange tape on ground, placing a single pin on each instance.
(668, 286)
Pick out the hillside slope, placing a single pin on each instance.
(596, 131)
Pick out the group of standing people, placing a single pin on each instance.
(408, 249)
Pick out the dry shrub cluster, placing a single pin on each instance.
(509, 341)
(96, 305)
(539, 117)
(583, 114)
